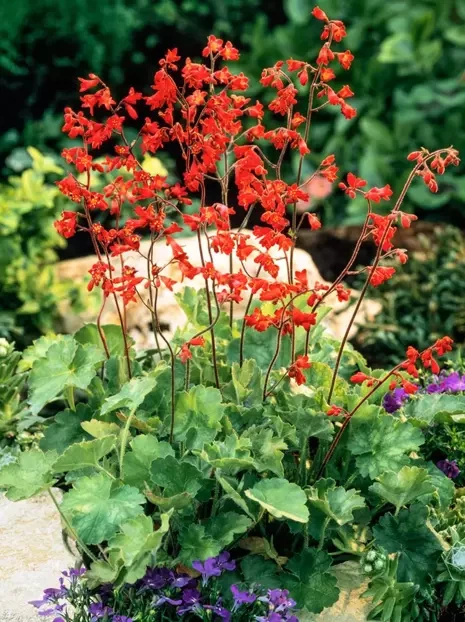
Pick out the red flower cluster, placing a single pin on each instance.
(202, 108)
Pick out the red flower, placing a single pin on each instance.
(306, 320)
(295, 370)
(258, 320)
(376, 194)
(359, 377)
(353, 184)
(319, 14)
(334, 411)
(325, 56)
(345, 59)
(380, 274)
(229, 52)
(66, 226)
(88, 84)
(313, 221)
(443, 345)
(213, 46)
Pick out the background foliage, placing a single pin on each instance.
(408, 77)
(424, 301)
(29, 203)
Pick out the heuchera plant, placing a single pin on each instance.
(263, 437)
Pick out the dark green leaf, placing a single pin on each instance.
(408, 535)
(310, 583)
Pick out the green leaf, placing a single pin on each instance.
(256, 569)
(224, 527)
(66, 429)
(198, 416)
(404, 486)
(38, 350)
(98, 429)
(310, 584)
(445, 487)
(29, 475)
(131, 551)
(86, 454)
(267, 450)
(245, 387)
(136, 465)
(280, 498)
(309, 423)
(89, 334)
(336, 502)
(98, 507)
(383, 444)
(131, 395)
(231, 455)
(408, 535)
(176, 477)
(434, 407)
(197, 545)
(67, 364)
(233, 494)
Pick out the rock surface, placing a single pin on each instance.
(32, 555)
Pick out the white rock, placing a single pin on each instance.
(32, 555)
(170, 315)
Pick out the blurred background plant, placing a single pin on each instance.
(408, 76)
(29, 290)
(18, 428)
(424, 301)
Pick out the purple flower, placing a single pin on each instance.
(279, 599)
(157, 578)
(74, 573)
(224, 614)
(214, 566)
(242, 597)
(394, 400)
(119, 618)
(99, 610)
(449, 468)
(165, 599)
(272, 617)
(453, 382)
(182, 580)
(190, 601)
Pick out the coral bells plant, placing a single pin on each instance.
(259, 437)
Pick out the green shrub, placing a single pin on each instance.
(29, 291)
(425, 300)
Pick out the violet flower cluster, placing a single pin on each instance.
(169, 595)
(444, 383)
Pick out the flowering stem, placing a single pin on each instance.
(210, 314)
(337, 438)
(367, 281)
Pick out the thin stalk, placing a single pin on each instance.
(323, 533)
(376, 261)
(70, 528)
(70, 398)
(124, 441)
(303, 463)
(210, 314)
